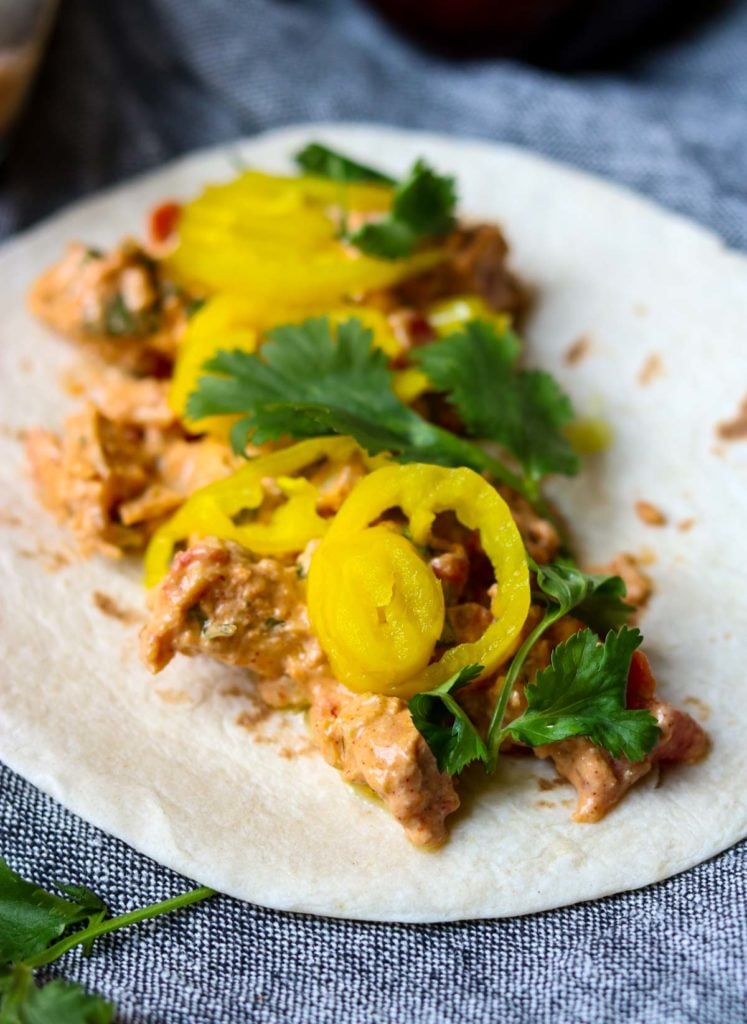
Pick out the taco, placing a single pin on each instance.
(366, 535)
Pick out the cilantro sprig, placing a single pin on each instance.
(524, 411)
(445, 724)
(321, 160)
(423, 203)
(581, 693)
(37, 927)
(422, 207)
(305, 382)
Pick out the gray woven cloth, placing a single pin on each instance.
(130, 83)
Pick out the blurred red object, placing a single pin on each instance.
(163, 221)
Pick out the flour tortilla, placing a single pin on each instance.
(179, 766)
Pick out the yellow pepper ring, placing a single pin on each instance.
(227, 322)
(211, 511)
(273, 236)
(342, 619)
(377, 595)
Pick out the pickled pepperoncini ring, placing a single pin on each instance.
(217, 510)
(276, 236)
(225, 321)
(377, 607)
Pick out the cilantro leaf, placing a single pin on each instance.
(603, 607)
(423, 207)
(445, 725)
(30, 920)
(524, 411)
(582, 693)
(425, 201)
(595, 599)
(388, 239)
(58, 1002)
(303, 383)
(30, 917)
(325, 162)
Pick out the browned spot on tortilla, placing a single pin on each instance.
(302, 749)
(8, 518)
(652, 368)
(174, 696)
(734, 429)
(686, 524)
(108, 606)
(650, 514)
(290, 745)
(640, 310)
(702, 710)
(544, 803)
(19, 434)
(233, 691)
(647, 556)
(51, 559)
(250, 718)
(25, 365)
(547, 784)
(578, 350)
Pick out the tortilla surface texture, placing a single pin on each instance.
(186, 767)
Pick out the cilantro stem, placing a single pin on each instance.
(500, 472)
(496, 734)
(113, 924)
(21, 979)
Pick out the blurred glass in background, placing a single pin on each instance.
(563, 34)
(24, 28)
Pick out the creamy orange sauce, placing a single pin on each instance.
(123, 462)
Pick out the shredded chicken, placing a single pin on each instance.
(87, 474)
(637, 582)
(113, 302)
(540, 536)
(601, 780)
(111, 482)
(476, 263)
(122, 397)
(219, 600)
(335, 481)
(372, 739)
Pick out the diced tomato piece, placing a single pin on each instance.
(420, 330)
(641, 681)
(163, 221)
